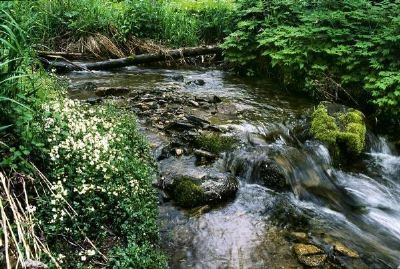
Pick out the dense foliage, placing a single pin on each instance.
(330, 48)
(92, 202)
(57, 23)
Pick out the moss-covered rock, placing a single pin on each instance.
(190, 192)
(342, 129)
(187, 193)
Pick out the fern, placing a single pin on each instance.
(356, 43)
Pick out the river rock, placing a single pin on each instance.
(179, 152)
(198, 211)
(32, 264)
(204, 154)
(258, 168)
(179, 126)
(192, 186)
(194, 103)
(178, 77)
(215, 100)
(202, 123)
(310, 255)
(105, 91)
(270, 175)
(87, 86)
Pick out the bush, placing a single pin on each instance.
(100, 167)
(23, 88)
(328, 48)
(134, 256)
(141, 19)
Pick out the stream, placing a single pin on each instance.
(352, 213)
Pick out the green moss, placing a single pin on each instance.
(187, 193)
(323, 126)
(344, 133)
(215, 143)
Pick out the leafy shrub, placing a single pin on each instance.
(328, 48)
(141, 19)
(100, 167)
(134, 256)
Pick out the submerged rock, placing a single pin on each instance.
(310, 255)
(343, 129)
(299, 236)
(343, 250)
(94, 100)
(178, 77)
(270, 175)
(287, 215)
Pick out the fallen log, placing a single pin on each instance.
(64, 66)
(55, 54)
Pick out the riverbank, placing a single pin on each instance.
(75, 180)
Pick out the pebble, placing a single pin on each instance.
(310, 255)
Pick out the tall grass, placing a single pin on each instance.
(22, 243)
(23, 88)
(55, 24)
(13, 61)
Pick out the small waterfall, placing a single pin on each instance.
(368, 203)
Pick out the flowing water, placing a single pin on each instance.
(358, 205)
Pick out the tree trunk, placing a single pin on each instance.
(64, 66)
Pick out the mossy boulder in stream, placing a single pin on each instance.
(342, 129)
(190, 192)
(187, 193)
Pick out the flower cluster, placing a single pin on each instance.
(77, 134)
(100, 173)
(86, 149)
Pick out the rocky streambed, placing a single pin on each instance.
(243, 185)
